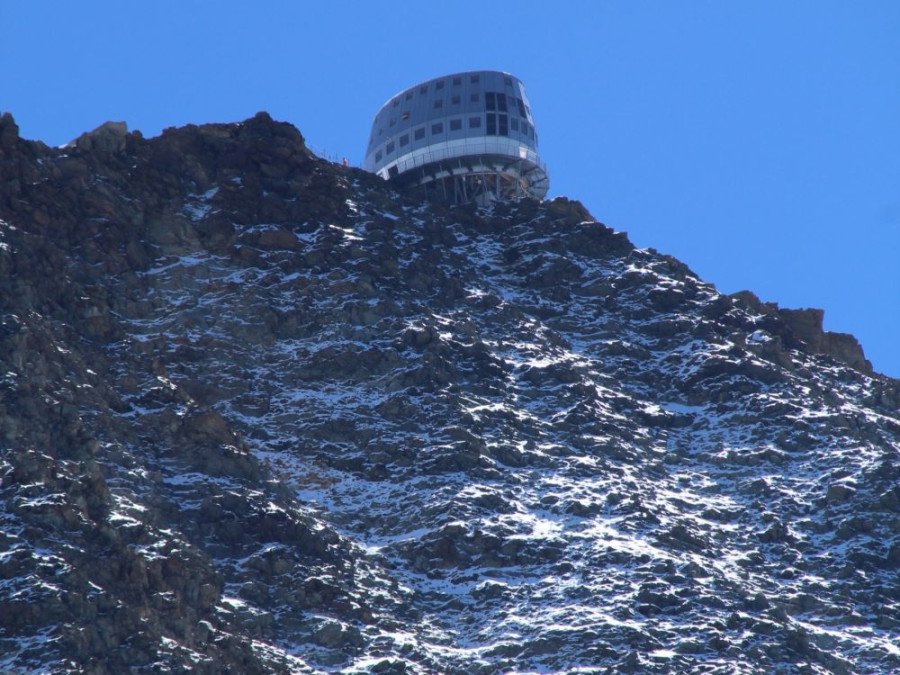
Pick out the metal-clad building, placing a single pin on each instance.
(463, 137)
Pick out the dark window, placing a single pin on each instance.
(389, 148)
(473, 98)
(525, 128)
(405, 115)
(439, 85)
(378, 156)
(521, 104)
(393, 122)
(439, 103)
(396, 102)
(404, 140)
(454, 100)
(437, 128)
(490, 100)
(501, 102)
(409, 96)
(473, 79)
(514, 123)
(504, 125)
(491, 127)
(508, 81)
(455, 125)
(474, 122)
(419, 133)
(393, 171)
(423, 90)
(457, 81)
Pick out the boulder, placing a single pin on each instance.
(109, 137)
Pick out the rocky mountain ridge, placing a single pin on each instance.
(261, 413)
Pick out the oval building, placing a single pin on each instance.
(464, 137)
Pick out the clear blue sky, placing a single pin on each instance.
(759, 142)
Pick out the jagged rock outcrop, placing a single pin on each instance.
(803, 328)
(261, 413)
(108, 137)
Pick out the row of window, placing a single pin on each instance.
(495, 125)
(493, 101)
(455, 82)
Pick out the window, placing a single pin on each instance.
(503, 124)
(396, 102)
(439, 103)
(393, 172)
(490, 101)
(389, 148)
(409, 96)
(473, 98)
(507, 81)
(404, 140)
(405, 115)
(423, 90)
(439, 85)
(474, 122)
(454, 100)
(514, 123)
(378, 156)
(419, 133)
(437, 128)
(473, 78)
(455, 125)
(457, 81)
(521, 104)
(501, 102)
(525, 128)
(491, 128)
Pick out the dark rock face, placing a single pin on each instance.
(805, 325)
(259, 413)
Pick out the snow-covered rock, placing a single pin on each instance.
(261, 412)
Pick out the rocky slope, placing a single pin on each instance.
(260, 413)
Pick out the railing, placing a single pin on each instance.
(463, 147)
(329, 156)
